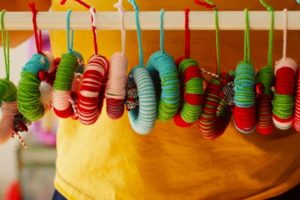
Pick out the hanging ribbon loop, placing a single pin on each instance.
(138, 31)
(121, 10)
(5, 45)
(162, 31)
(187, 42)
(247, 53)
(37, 32)
(70, 33)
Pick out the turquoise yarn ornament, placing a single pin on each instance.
(163, 70)
(142, 118)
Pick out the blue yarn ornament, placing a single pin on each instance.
(142, 118)
(163, 70)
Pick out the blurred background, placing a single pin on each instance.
(32, 170)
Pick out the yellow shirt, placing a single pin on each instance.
(109, 161)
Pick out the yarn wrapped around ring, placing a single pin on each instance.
(8, 100)
(296, 123)
(115, 93)
(215, 113)
(142, 118)
(63, 103)
(29, 95)
(283, 102)
(91, 91)
(265, 124)
(192, 93)
(163, 71)
(244, 111)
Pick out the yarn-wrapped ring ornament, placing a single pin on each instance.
(8, 100)
(265, 80)
(91, 91)
(29, 96)
(264, 101)
(115, 93)
(215, 113)
(142, 118)
(296, 123)
(63, 98)
(244, 112)
(283, 102)
(163, 71)
(192, 93)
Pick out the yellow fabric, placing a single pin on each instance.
(109, 161)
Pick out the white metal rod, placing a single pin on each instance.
(174, 20)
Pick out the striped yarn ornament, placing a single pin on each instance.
(91, 91)
(244, 98)
(244, 112)
(283, 102)
(115, 93)
(265, 78)
(163, 71)
(193, 98)
(265, 124)
(297, 104)
(29, 94)
(142, 118)
(63, 103)
(208, 123)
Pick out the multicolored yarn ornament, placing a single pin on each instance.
(163, 71)
(297, 104)
(62, 95)
(265, 76)
(285, 72)
(91, 91)
(142, 119)
(215, 114)
(192, 84)
(11, 124)
(244, 98)
(29, 94)
(115, 93)
(64, 104)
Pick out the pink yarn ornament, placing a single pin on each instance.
(116, 86)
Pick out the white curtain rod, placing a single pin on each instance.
(150, 20)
